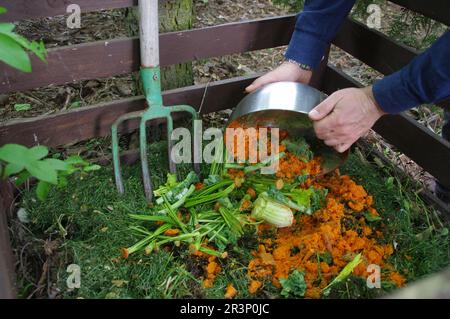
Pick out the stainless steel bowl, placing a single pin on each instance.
(286, 105)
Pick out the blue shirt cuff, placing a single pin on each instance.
(306, 49)
(392, 94)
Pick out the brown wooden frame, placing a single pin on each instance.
(120, 56)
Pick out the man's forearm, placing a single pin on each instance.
(316, 26)
(426, 79)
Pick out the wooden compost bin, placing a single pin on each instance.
(115, 57)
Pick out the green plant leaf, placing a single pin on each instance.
(345, 272)
(14, 153)
(75, 105)
(12, 168)
(22, 107)
(43, 171)
(13, 54)
(38, 48)
(91, 168)
(76, 160)
(62, 181)
(37, 152)
(294, 285)
(6, 27)
(3, 10)
(58, 164)
(371, 218)
(42, 190)
(22, 178)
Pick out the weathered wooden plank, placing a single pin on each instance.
(27, 9)
(373, 47)
(95, 121)
(7, 273)
(427, 149)
(121, 56)
(435, 9)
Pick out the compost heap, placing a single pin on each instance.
(332, 225)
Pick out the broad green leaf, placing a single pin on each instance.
(37, 152)
(302, 196)
(76, 160)
(42, 190)
(91, 168)
(22, 107)
(12, 169)
(345, 272)
(3, 10)
(13, 54)
(58, 164)
(37, 48)
(14, 153)
(43, 171)
(6, 27)
(22, 178)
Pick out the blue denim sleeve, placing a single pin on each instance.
(426, 79)
(316, 26)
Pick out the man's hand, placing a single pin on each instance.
(345, 116)
(287, 71)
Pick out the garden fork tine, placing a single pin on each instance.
(150, 74)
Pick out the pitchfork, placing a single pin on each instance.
(150, 75)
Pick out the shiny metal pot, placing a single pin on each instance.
(286, 105)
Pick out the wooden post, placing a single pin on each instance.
(7, 273)
(174, 15)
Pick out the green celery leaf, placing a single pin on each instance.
(345, 272)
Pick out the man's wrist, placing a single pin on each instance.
(369, 92)
(302, 66)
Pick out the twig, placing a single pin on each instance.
(203, 98)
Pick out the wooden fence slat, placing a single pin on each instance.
(435, 9)
(375, 49)
(95, 121)
(427, 149)
(121, 56)
(7, 273)
(31, 9)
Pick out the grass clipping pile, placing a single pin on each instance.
(312, 231)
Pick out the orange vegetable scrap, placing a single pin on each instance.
(172, 232)
(212, 269)
(230, 292)
(397, 279)
(338, 231)
(254, 286)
